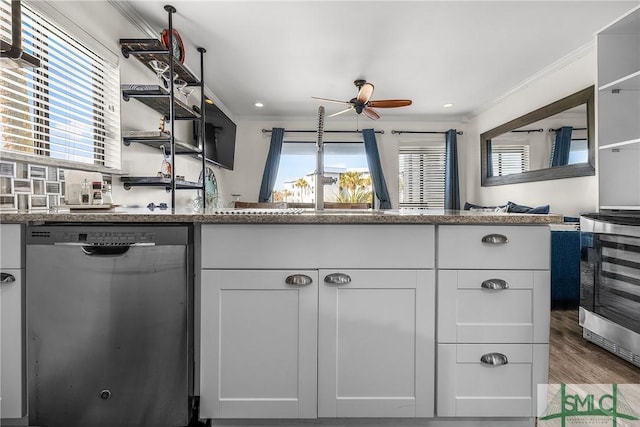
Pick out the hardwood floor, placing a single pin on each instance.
(574, 360)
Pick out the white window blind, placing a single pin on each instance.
(66, 109)
(508, 159)
(421, 170)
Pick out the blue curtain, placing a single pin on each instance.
(451, 178)
(562, 146)
(489, 158)
(271, 167)
(375, 168)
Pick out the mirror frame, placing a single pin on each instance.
(557, 172)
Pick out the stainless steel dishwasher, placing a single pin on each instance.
(109, 335)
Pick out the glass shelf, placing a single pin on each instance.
(146, 50)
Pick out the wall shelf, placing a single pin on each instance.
(629, 82)
(147, 50)
(163, 100)
(632, 143)
(157, 98)
(157, 181)
(159, 139)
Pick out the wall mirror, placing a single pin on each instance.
(552, 142)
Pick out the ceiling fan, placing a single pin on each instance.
(363, 103)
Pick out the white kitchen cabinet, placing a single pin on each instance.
(12, 375)
(258, 344)
(618, 51)
(506, 247)
(467, 387)
(376, 344)
(318, 246)
(473, 307)
(493, 319)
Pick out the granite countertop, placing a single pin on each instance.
(275, 216)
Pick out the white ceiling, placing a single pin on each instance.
(469, 53)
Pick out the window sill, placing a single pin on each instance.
(48, 161)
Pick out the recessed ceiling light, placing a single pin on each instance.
(208, 101)
(259, 104)
(448, 105)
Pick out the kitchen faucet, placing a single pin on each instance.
(321, 180)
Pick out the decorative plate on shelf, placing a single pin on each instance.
(210, 186)
(177, 45)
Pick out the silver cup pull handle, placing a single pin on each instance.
(7, 278)
(496, 284)
(495, 239)
(298, 280)
(337, 279)
(494, 359)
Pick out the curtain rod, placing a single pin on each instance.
(398, 132)
(527, 130)
(326, 131)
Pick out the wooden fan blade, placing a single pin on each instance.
(365, 92)
(389, 103)
(341, 111)
(331, 100)
(371, 113)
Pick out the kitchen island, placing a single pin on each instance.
(275, 216)
(438, 317)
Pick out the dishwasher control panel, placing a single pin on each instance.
(105, 238)
(99, 235)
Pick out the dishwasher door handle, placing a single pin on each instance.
(105, 250)
(84, 245)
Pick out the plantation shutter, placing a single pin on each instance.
(66, 109)
(422, 176)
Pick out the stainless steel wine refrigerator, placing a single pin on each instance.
(610, 282)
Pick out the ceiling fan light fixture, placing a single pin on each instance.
(363, 104)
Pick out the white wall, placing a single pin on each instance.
(570, 196)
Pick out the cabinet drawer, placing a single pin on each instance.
(317, 246)
(471, 313)
(462, 246)
(11, 251)
(468, 387)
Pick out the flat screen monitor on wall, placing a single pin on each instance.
(219, 137)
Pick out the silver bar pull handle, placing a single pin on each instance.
(337, 279)
(298, 280)
(7, 278)
(495, 239)
(494, 359)
(496, 284)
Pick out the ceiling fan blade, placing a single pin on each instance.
(371, 113)
(341, 111)
(331, 100)
(389, 103)
(365, 92)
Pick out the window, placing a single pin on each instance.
(507, 159)
(345, 161)
(421, 175)
(68, 108)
